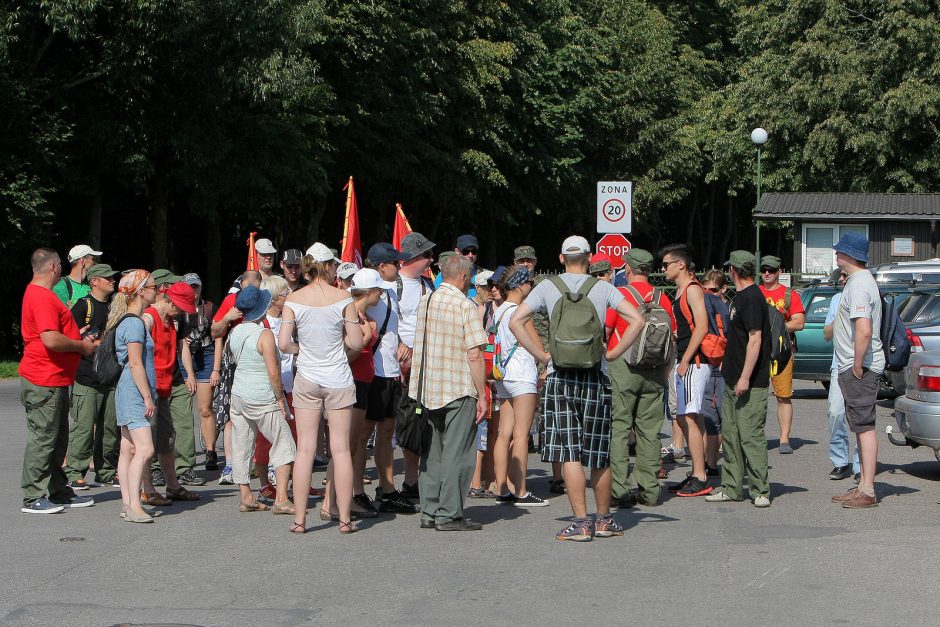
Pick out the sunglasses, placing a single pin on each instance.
(767, 271)
(468, 251)
(428, 255)
(713, 290)
(666, 264)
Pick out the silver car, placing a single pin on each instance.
(921, 316)
(918, 411)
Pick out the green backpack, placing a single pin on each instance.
(576, 338)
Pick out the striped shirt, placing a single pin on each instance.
(453, 327)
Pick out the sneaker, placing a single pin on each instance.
(607, 527)
(362, 500)
(272, 478)
(77, 501)
(785, 448)
(396, 503)
(212, 460)
(508, 498)
(190, 478)
(226, 478)
(719, 497)
(267, 493)
(557, 486)
(157, 477)
(115, 483)
(666, 456)
(763, 501)
(859, 500)
(695, 487)
(410, 491)
(78, 484)
(529, 500)
(42, 506)
(678, 486)
(581, 530)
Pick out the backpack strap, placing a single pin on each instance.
(68, 288)
(381, 334)
(89, 308)
(637, 297)
(687, 313)
(787, 297)
(400, 289)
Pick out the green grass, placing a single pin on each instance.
(8, 369)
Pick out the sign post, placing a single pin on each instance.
(614, 206)
(615, 246)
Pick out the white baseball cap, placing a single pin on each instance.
(265, 247)
(346, 269)
(367, 278)
(575, 245)
(321, 253)
(482, 277)
(82, 250)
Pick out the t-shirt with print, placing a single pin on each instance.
(748, 312)
(43, 311)
(615, 323)
(516, 362)
(860, 299)
(385, 355)
(777, 298)
(78, 291)
(411, 292)
(98, 319)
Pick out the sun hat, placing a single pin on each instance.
(183, 296)
(853, 244)
(252, 302)
(414, 245)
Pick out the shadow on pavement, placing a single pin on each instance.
(796, 443)
(780, 489)
(929, 470)
(816, 393)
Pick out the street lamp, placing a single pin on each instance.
(758, 138)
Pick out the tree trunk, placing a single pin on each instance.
(730, 230)
(709, 235)
(212, 285)
(94, 220)
(690, 224)
(159, 208)
(317, 209)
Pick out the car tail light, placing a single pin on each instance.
(928, 378)
(916, 345)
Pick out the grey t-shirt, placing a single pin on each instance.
(543, 298)
(860, 299)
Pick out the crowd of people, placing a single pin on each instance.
(326, 359)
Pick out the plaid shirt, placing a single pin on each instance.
(453, 328)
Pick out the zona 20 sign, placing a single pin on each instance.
(615, 246)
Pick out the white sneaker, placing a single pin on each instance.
(718, 497)
(761, 501)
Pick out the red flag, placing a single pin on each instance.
(351, 249)
(252, 253)
(402, 227)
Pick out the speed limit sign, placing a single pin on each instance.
(614, 206)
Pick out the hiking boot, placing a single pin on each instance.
(212, 460)
(859, 500)
(607, 527)
(42, 506)
(581, 530)
(157, 478)
(694, 487)
(395, 503)
(190, 478)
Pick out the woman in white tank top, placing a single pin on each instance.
(318, 324)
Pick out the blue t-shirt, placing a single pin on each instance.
(471, 291)
(831, 317)
(130, 331)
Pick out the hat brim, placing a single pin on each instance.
(105, 275)
(182, 305)
(258, 310)
(854, 253)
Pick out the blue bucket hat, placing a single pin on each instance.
(853, 244)
(252, 302)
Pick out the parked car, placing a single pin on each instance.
(918, 271)
(813, 353)
(918, 411)
(921, 315)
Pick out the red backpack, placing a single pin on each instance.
(714, 343)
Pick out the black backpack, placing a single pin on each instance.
(107, 367)
(894, 341)
(781, 349)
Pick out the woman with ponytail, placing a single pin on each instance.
(135, 392)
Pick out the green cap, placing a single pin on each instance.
(444, 255)
(742, 260)
(639, 260)
(524, 252)
(101, 270)
(165, 277)
(769, 261)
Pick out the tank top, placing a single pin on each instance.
(251, 375)
(322, 357)
(683, 329)
(363, 368)
(164, 352)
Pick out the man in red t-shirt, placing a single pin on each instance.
(52, 349)
(789, 304)
(636, 396)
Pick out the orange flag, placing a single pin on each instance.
(402, 227)
(351, 249)
(252, 253)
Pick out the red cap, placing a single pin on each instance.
(183, 296)
(599, 257)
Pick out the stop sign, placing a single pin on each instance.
(615, 246)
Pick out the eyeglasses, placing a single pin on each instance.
(428, 255)
(767, 271)
(148, 287)
(713, 290)
(666, 264)
(468, 251)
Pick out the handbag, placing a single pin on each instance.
(498, 371)
(222, 395)
(413, 426)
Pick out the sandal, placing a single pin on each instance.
(297, 527)
(252, 506)
(154, 498)
(347, 527)
(283, 508)
(182, 494)
(353, 515)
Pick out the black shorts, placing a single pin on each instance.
(362, 394)
(384, 395)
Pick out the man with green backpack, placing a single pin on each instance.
(576, 396)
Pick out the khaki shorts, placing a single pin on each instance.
(164, 434)
(783, 382)
(310, 395)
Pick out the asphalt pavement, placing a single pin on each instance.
(802, 561)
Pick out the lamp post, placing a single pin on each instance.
(758, 138)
